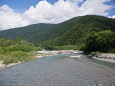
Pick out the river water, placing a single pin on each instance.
(60, 70)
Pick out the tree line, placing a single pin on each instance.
(103, 41)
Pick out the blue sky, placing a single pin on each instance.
(18, 13)
(22, 5)
(112, 11)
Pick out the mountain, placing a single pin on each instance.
(66, 33)
(84, 26)
(26, 33)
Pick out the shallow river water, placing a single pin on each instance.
(60, 70)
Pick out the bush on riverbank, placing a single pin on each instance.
(17, 53)
(64, 47)
(113, 51)
(14, 51)
(17, 56)
(100, 41)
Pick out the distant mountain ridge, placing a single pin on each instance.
(25, 33)
(66, 33)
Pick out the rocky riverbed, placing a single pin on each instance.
(45, 53)
(59, 70)
(104, 57)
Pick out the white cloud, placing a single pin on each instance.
(112, 16)
(10, 19)
(44, 12)
(96, 7)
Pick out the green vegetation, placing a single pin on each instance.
(64, 47)
(13, 51)
(100, 41)
(70, 32)
(76, 34)
(113, 51)
(89, 33)
(27, 33)
(17, 56)
(87, 24)
(98, 53)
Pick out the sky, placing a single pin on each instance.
(19, 13)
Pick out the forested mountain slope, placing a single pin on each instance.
(66, 33)
(26, 33)
(86, 25)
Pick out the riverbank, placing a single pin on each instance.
(40, 54)
(16, 58)
(44, 53)
(61, 70)
(9, 65)
(104, 57)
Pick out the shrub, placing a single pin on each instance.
(37, 48)
(18, 56)
(113, 51)
(4, 50)
(24, 48)
(13, 51)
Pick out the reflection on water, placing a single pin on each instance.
(60, 70)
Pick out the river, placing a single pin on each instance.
(59, 70)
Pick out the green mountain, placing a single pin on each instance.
(26, 33)
(70, 32)
(84, 26)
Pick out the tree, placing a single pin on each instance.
(102, 41)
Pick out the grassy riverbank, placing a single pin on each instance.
(17, 56)
(15, 51)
